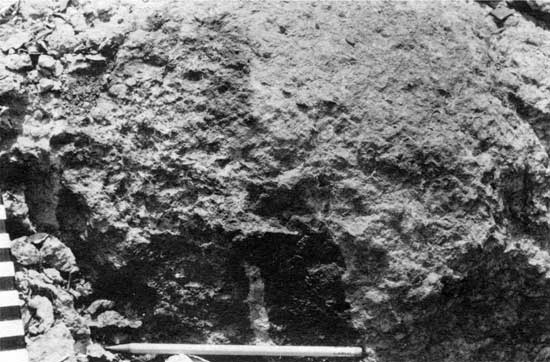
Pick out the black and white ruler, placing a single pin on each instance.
(12, 333)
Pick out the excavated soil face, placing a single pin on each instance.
(370, 173)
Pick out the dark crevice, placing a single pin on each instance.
(539, 121)
(38, 178)
(304, 291)
(13, 108)
(72, 214)
(537, 17)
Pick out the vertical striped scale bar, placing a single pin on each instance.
(12, 333)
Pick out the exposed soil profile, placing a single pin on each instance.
(359, 173)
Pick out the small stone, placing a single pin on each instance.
(38, 238)
(78, 66)
(32, 49)
(130, 82)
(97, 58)
(84, 288)
(54, 275)
(103, 109)
(501, 13)
(18, 62)
(54, 346)
(62, 39)
(46, 85)
(62, 5)
(43, 314)
(543, 355)
(179, 358)
(33, 75)
(15, 41)
(38, 115)
(8, 10)
(112, 318)
(118, 90)
(46, 62)
(24, 252)
(58, 68)
(35, 9)
(57, 255)
(95, 352)
(100, 305)
(10, 83)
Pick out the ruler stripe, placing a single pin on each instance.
(11, 328)
(5, 242)
(12, 343)
(9, 298)
(7, 283)
(19, 355)
(2, 212)
(10, 313)
(5, 254)
(2, 226)
(7, 269)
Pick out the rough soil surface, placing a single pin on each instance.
(338, 173)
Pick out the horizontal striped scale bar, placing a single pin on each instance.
(12, 343)
(10, 313)
(12, 331)
(11, 328)
(19, 355)
(7, 269)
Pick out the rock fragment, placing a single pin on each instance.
(112, 318)
(24, 252)
(76, 63)
(18, 212)
(96, 58)
(99, 306)
(45, 85)
(96, 352)
(118, 90)
(46, 62)
(56, 345)
(62, 40)
(43, 314)
(15, 41)
(35, 9)
(18, 62)
(9, 83)
(179, 358)
(38, 238)
(501, 13)
(57, 255)
(53, 275)
(7, 11)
